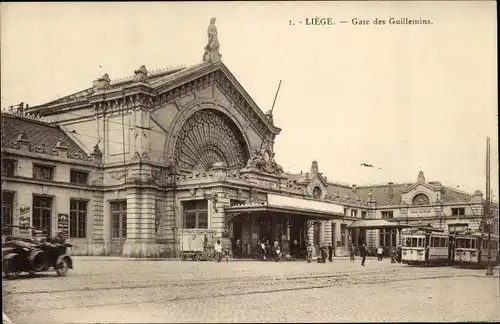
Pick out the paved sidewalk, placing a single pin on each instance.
(119, 258)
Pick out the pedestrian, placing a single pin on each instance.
(263, 250)
(277, 251)
(362, 252)
(330, 252)
(295, 249)
(239, 248)
(309, 252)
(352, 253)
(400, 253)
(324, 254)
(392, 254)
(269, 249)
(380, 253)
(218, 251)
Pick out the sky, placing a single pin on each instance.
(403, 98)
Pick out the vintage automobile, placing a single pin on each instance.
(34, 255)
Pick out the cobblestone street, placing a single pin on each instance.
(118, 290)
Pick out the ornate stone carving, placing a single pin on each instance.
(103, 83)
(254, 197)
(172, 165)
(97, 181)
(141, 74)
(263, 160)
(212, 48)
(207, 137)
(420, 199)
(158, 214)
(97, 151)
(117, 175)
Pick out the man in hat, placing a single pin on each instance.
(363, 252)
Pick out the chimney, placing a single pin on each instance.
(390, 189)
(354, 188)
(314, 168)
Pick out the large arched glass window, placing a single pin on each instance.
(420, 199)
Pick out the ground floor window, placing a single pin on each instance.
(78, 218)
(387, 237)
(119, 219)
(7, 215)
(195, 214)
(42, 214)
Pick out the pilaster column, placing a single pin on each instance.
(96, 236)
(327, 232)
(140, 240)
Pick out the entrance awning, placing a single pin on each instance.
(290, 205)
(376, 224)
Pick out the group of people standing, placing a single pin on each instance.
(394, 254)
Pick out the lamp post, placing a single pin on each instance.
(487, 207)
(489, 267)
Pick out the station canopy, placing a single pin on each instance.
(290, 205)
(376, 224)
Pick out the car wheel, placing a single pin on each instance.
(62, 268)
(198, 257)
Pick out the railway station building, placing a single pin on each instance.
(127, 167)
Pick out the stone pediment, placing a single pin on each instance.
(420, 184)
(318, 178)
(421, 194)
(188, 81)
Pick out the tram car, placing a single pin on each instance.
(471, 249)
(425, 247)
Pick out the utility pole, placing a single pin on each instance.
(487, 209)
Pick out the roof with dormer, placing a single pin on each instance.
(42, 136)
(382, 194)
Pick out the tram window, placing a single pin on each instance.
(467, 244)
(420, 242)
(459, 243)
(473, 245)
(414, 242)
(443, 242)
(408, 242)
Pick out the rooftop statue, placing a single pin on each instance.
(212, 48)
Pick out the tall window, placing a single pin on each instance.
(80, 177)
(8, 167)
(7, 207)
(43, 172)
(42, 213)
(387, 214)
(195, 214)
(119, 219)
(363, 214)
(458, 211)
(354, 213)
(387, 237)
(77, 218)
(343, 229)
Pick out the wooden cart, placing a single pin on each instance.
(197, 247)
